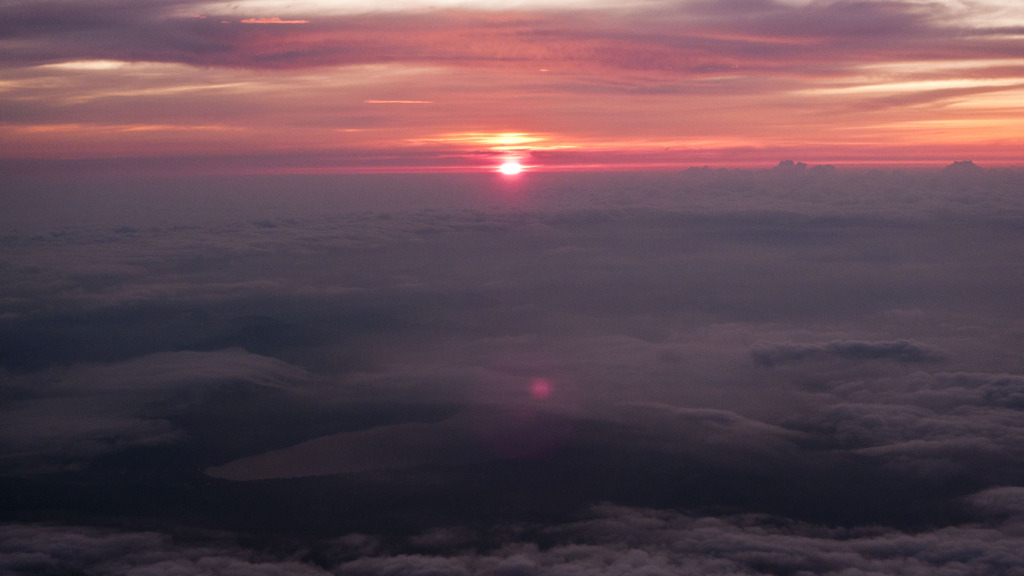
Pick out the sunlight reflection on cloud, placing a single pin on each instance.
(364, 6)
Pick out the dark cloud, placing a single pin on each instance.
(1006, 501)
(690, 38)
(56, 550)
(58, 419)
(898, 351)
(613, 540)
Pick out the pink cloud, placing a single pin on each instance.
(274, 20)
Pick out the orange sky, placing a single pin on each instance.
(262, 85)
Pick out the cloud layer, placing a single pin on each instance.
(613, 540)
(774, 371)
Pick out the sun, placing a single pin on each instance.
(510, 168)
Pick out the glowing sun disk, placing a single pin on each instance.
(510, 168)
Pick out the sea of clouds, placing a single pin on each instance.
(801, 370)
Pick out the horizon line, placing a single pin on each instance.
(198, 166)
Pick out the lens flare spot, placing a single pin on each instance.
(510, 168)
(540, 388)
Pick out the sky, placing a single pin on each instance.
(264, 86)
(745, 298)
